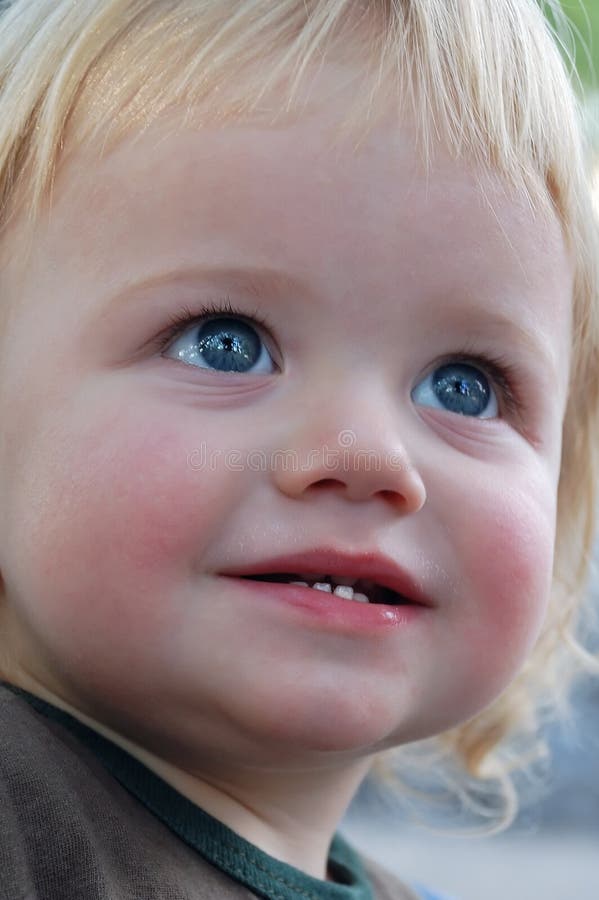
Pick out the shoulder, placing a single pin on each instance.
(34, 763)
(41, 764)
(66, 822)
(29, 742)
(25, 737)
(47, 772)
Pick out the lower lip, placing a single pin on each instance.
(329, 610)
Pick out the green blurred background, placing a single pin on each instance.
(584, 17)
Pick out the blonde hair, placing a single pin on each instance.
(484, 76)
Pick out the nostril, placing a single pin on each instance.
(326, 482)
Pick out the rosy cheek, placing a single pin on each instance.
(510, 561)
(124, 521)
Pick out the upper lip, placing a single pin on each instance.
(371, 566)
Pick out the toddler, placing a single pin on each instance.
(299, 401)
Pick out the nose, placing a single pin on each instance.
(363, 460)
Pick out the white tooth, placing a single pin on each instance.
(342, 580)
(347, 593)
(303, 583)
(323, 586)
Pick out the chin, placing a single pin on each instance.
(325, 723)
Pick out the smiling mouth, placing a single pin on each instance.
(357, 589)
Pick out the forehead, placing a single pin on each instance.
(322, 144)
(281, 190)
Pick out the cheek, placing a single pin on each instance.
(509, 561)
(118, 527)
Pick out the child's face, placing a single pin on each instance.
(113, 530)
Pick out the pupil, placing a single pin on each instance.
(229, 345)
(462, 388)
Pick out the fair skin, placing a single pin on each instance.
(111, 542)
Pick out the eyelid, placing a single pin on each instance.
(219, 307)
(215, 308)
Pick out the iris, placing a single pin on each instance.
(461, 388)
(228, 345)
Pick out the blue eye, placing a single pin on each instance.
(223, 344)
(458, 388)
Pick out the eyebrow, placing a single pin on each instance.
(260, 281)
(267, 282)
(503, 327)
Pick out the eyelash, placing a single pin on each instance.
(216, 307)
(505, 375)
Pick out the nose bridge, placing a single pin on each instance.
(360, 411)
(350, 439)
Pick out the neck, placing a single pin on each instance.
(290, 813)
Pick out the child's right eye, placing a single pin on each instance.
(225, 342)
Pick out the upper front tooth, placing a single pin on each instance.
(344, 581)
(347, 592)
(341, 579)
(344, 590)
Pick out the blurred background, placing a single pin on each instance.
(551, 852)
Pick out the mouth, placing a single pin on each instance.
(360, 590)
(368, 577)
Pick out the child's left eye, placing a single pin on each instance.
(458, 388)
(226, 341)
